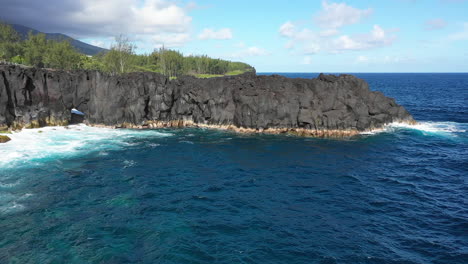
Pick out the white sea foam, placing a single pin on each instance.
(129, 163)
(11, 207)
(10, 202)
(434, 127)
(9, 185)
(427, 128)
(32, 145)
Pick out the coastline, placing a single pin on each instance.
(326, 106)
(329, 133)
(155, 125)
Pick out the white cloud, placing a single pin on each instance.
(308, 42)
(329, 32)
(88, 19)
(290, 44)
(305, 34)
(362, 59)
(170, 40)
(378, 37)
(240, 45)
(208, 33)
(347, 43)
(311, 48)
(130, 17)
(287, 29)
(461, 35)
(192, 6)
(331, 19)
(434, 24)
(396, 59)
(99, 43)
(307, 60)
(250, 52)
(337, 15)
(387, 59)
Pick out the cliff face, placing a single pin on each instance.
(327, 105)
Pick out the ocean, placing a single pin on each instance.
(96, 195)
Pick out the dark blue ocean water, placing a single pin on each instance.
(89, 195)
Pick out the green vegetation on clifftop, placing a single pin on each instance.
(38, 51)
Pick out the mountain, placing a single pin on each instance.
(82, 47)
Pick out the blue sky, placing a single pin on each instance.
(281, 36)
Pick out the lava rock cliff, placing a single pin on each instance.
(325, 106)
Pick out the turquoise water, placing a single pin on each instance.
(93, 195)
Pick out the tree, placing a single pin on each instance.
(61, 55)
(92, 63)
(119, 58)
(173, 63)
(9, 42)
(35, 48)
(18, 59)
(163, 60)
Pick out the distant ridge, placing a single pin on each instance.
(82, 47)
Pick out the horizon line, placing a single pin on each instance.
(350, 72)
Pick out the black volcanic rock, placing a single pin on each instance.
(31, 97)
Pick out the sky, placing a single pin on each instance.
(272, 36)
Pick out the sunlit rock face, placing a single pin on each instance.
(325, 106)
(4, 139)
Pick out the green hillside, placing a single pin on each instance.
(59, 52)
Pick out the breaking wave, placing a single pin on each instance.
(33, 145)
(432, 127)
(426, 128)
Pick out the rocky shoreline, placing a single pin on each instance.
(327, 106)
(241, 130)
